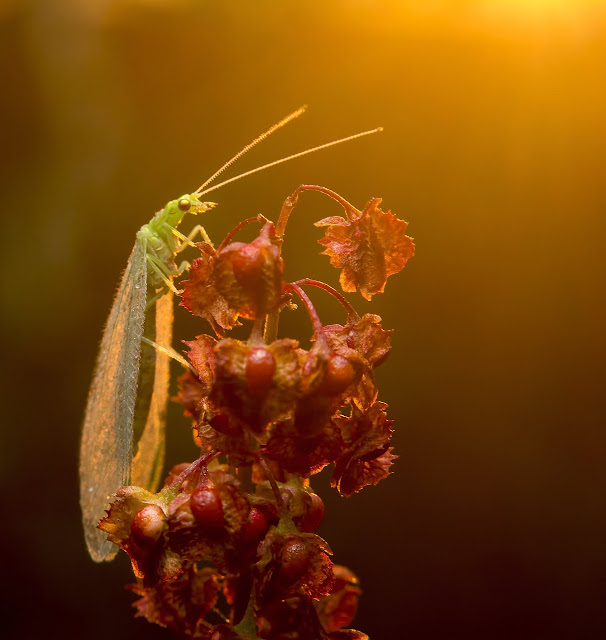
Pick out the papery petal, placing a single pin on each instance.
(201, 355)
(369, 247)
(201, 297)
(304, 455)
(232, 395)
(338, 608)
(180, 604)
(191, 393)
(293, 618)
(365, 335)
(361, 473)
(152, 565)
(367, 456)
(236, 444)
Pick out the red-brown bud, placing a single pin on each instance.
(206, 507)
(339, 375)
(147, 526)
(260, 368)
(314, 516)
(294, 561)
(254, 528)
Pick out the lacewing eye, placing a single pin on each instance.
(184, 204)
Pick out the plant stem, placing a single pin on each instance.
(352, 314)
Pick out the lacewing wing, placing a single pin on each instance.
(122, 373)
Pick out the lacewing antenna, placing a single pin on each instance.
(292, 157)
(248, 147)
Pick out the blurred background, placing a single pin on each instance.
(493, 524)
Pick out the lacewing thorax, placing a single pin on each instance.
(124, 423)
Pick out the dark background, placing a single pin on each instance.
(493, 524)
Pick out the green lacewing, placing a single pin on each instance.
(124, 423)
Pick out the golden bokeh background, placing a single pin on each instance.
(493, 524)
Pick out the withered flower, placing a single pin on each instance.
(237, 280)
(137, 521)
(365, 342)
(304, 455)
(181, 604)
(204, 523)
(201, 296)
(293, 564)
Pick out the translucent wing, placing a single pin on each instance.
(149, 459)
(106, 447)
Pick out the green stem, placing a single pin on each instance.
(256, 334)
(272, 321)
(247, 627)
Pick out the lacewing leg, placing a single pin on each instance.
(154, 382)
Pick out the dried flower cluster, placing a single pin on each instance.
(227, 549)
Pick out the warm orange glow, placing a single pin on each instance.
(512, 14)
(541, 11)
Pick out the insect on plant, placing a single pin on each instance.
(124, 423)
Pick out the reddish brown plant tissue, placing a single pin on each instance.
(228, 549)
